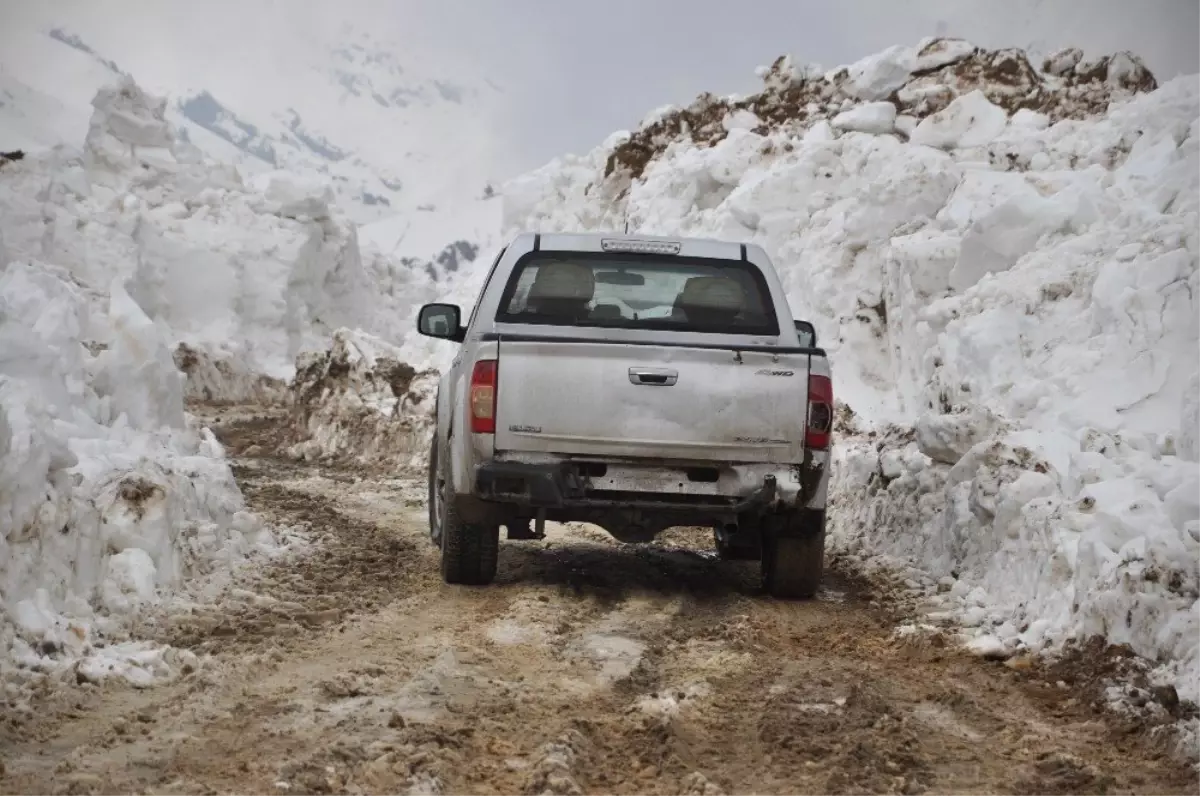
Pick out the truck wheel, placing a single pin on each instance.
(794, 556)
(469, 552)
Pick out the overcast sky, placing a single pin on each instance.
(577, 71)
(574, 71)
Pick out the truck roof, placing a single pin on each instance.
(601, 241)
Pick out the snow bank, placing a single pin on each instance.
(133, 275)
(360, 402)
(1004, 273)
(220, 378)
(918, 82)
(247, 274)
(107, 496)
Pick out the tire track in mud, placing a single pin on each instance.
(587, 667)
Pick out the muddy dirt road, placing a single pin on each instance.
(589, 667)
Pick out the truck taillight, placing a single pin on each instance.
(483, 396)
(820, 412)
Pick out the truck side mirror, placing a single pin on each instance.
(443, 321)
(807, 333)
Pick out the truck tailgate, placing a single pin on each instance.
(654, 402)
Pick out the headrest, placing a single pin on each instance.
(712, 293)
(605, 312)
(563, 280)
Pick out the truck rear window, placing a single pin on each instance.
(622, 291)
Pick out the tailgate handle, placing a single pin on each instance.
(653, 377)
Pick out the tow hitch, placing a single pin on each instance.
(519, 529)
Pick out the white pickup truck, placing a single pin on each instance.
(636, 383)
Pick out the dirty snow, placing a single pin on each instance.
(360, 401)
(253, 274)
(1008, 295)
(107, 493)
(134, 274)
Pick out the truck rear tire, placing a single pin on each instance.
(793, 558)
(469, 552)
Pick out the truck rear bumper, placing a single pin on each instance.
(730, 489)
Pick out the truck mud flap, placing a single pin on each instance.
(535, 485)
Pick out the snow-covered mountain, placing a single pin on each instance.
(390, 123)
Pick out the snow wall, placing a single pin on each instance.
(1001, 261)
(134, 275)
